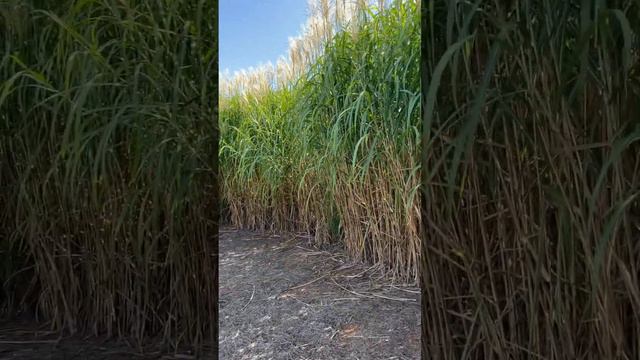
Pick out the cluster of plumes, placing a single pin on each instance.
(326, 17)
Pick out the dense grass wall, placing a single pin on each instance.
(336, 153)
(532, 180)
(107, 174)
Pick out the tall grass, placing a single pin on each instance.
(107, 175)
(531, 180)
(326, 141)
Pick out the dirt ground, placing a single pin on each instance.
(282, 299)
(22, 340)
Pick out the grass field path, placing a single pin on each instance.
(280, 298)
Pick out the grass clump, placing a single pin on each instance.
(531, 180)
(107, 173)
(326, 141)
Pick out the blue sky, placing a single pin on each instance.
(257, 31)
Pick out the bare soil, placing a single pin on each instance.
(25, 339)
(280, 298)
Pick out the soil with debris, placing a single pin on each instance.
(22, 340)
(280, 298)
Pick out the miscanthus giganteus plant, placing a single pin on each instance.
(531, 176)
(326, 140)
(107, 166)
